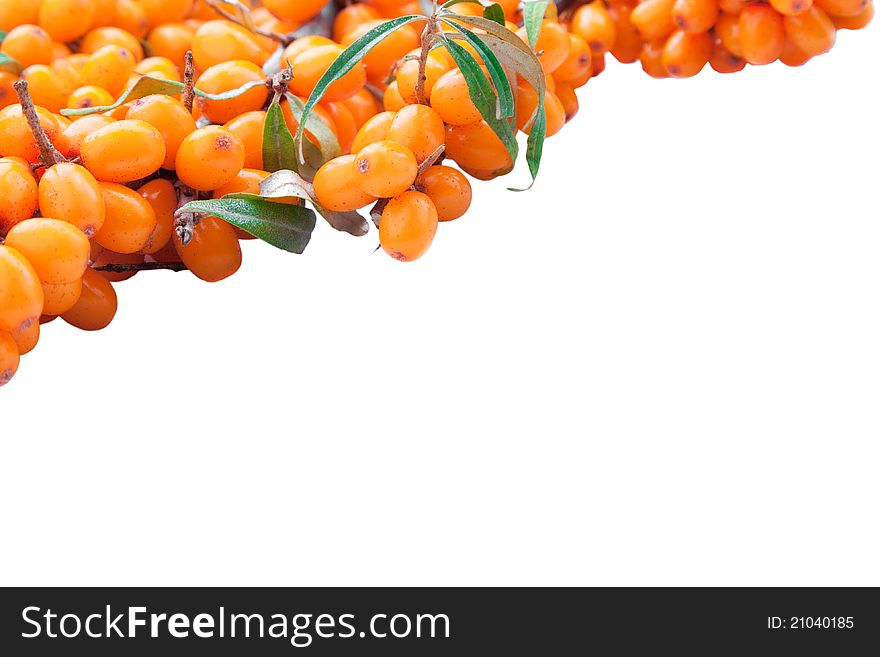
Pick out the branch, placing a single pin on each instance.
(49, 155)
(142, 266)
(189, 82)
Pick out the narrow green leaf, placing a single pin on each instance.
(349, 58)
(328, 142)
(287, 227)
(278, 150)
(232, 93)
(145, 86)
(533, 18)
(3, 34)
(494, 12)
(10, 64)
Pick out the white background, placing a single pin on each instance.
(661, 366)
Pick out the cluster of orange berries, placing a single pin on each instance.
(678, 38)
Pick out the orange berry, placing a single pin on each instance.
(58, 299)
(160, 68)
(791, 7)
(209, 158)
(229, 76)
(246, 182)
(695, 16)
(123, 151)
(420, 129)
(17, 12)
(96, 306)
(47, 87)
(792, 55)
(21, 295)
(567, 96)
(162, 197)
(109, 68)
(653, 19)
(553, 45)
(129, 220)
(16, 138)
(408, 226)
(221, 41)
(527, 103)
(295, 11)
(846, 8)
(385, 56)
(724, 61)
(7, 90)
(318, 112)
(385, 169)
(476, 146)
(363, 106)
(28, 45)
(761, 34)
(9, 357)
(165, 11)
(811, 31)
(309, 66)
(857, 22)
(19, 195)
(375, 129)
(132, 18)
(89, 96)
(345, 126)
(392, 100)
(66, 20)
(685, 54)
(594, 24)
(27, 337)
(57, 250)
(449, 190)
(172, 41)
(349, 18)
(70, 141)
(213, 253)
(70, 193)
(112, 36)
(337, 187)
(168, 115)
(451, 99)
(628, 44)
(727, 29)
(248, 128)
(578, 63)
(407, 77)
(302, 44)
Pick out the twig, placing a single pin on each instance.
(49, 155)
(427, 42)
(433, 158)
(283, 39)
(189, 82)
(142, 266)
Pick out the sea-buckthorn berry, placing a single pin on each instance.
(384, 57)
(160, 68)
(846, 8)
(162, 197)
(70, 140)
(70, 193)
(19, 196)
(302, 44)
(248, 128)
(792, 55)
(172, 41)
(209, 158)
(653, 19)
(123, 151)
(451, 99)
(567, 96)
(96, 306)
(66, 20)
(685, 54)
(9, 356)
(309, 66)
(594, 24)
(17, 12)
(407, 77)
(109, 68)
(16, 138)
(337, 187)
(392, 101)
(58, 299)
(21, 295)
(811, 31)
(363, 106)
(761, 34)
(213, 253)
(89, 96)
(579, 61)
(734, 6)
(131, 17)
(7, 89)
(111, 36)
(791, 7)
(165, 11)
(628, 44)
(527, 104)
(297, 11)
(28, 45)
(221, 41)
(727, 29)
(857, 22)
(27, 337)
(47, 87)
(695, 16)
(448, 189)
(246, 182)
(129, 220)
(345, 126)
(476, 146)
(57, 250)
(230, 76)
(385, 169)
(420, 129)
(376, 129)
(724, 61)
(408, 226)
(349, 18)
(168, 115)
(553, 45)
(317, 112)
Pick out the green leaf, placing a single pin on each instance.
(349, 58)
(506, 106)
(483, 95)
(533, 18)
(287, 227)
(278, 150)
(328, 143)
(10, 64)
(494, 12)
